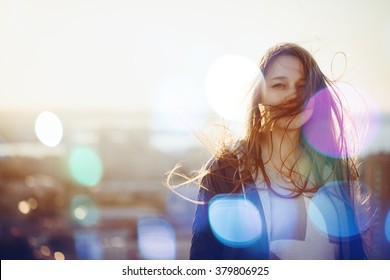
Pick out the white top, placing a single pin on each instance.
(292, 234)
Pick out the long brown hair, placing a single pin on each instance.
(246, 155)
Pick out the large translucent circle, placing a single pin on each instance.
(234, 220)
(88, 244)
(228, 86)
(387, 226)
(85, 166)
(360, 122)
(48, 128)
(156, 239)
(331, 213)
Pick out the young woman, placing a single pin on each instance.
(276, 194)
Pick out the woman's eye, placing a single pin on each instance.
(281, 86)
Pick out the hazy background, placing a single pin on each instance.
(117, 54)
(129, 82)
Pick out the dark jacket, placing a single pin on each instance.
(206, 246)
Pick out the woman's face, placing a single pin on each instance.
(284, 83)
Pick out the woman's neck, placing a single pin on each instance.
(282, 153)
(281, 149)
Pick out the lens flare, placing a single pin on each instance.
(228, 84)
(387, 226)
(45, 251)
(24, 207)
(234, 220)
(33, 203)
(360, 117)
(88, 245)
(330, 213)
(49, 129)
(59, 256)
(84, 210)
(85, 166)
(156, 239)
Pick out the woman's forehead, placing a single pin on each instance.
(285, 66)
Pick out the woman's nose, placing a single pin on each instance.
(292, 94)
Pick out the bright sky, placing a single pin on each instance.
(136, 55)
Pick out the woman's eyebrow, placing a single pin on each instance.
(285, 78)
(279, 78)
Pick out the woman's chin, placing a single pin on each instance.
(294, 123)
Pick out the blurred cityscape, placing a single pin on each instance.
(45, 209)
(121, 210)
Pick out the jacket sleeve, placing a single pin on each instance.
(204, 244)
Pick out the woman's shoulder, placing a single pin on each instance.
(221, 173)
(227, 157)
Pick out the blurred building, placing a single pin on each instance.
(46, 214)
(375, 174)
